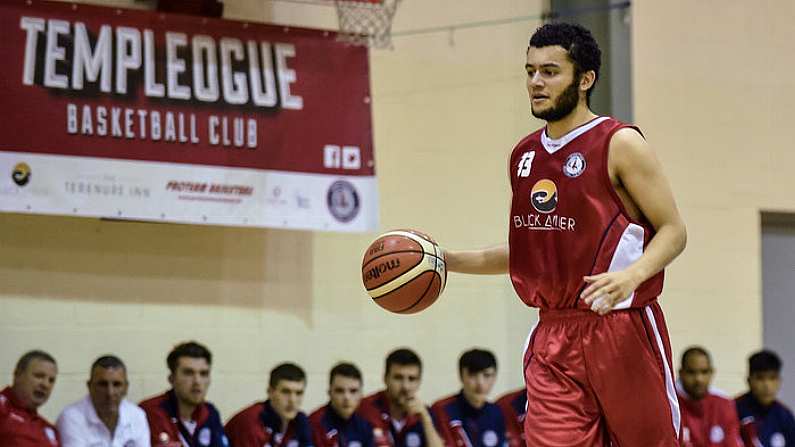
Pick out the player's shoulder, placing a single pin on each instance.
(444, 402)
(721, 399)
(510, 396)
(373, 403)
(627, 137)
(372, 398)
(629, 150)
(367, 405)
(153, 403)
(527, 140)
(719, 393)
(785, 411)
(317, 416)
(742, 399)
(248, 413)
(534, 135)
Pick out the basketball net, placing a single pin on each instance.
(366, 22)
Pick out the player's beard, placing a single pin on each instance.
(564, 104)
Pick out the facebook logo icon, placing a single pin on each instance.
(345, 157)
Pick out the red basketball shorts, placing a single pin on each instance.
(596, 381)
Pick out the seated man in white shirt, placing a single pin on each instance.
(104, 418)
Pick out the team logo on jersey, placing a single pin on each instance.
(413, 440)
(490, 438)
(574, 165)
(716, 434)
(544, 196)
(778, 440)
(525, 163)
(204, 436)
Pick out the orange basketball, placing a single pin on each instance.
(404, 271)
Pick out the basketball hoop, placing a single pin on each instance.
(366, 22)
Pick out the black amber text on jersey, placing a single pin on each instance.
(548, 222)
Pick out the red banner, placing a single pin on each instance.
(138, 85)
(140, 115)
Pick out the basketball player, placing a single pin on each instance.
(278, 421)
(182, 416)
(399, 417)
(709, 418)
(468, 419)
(338, 424)
(593, 223)
(766, 422)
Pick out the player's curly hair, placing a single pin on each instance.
(579, 43)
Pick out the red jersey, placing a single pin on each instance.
(567, 220)
(20, 427)
(514, 410)
(259, 425)
(375, 410)
(167, 430)
(708, 422)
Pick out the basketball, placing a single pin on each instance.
(404, 271)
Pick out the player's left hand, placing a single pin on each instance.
(606, 289)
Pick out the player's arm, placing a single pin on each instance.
(487, 261)
(416, 406)
(432, 437)
(640, 173)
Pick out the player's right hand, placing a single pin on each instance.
(414, 406)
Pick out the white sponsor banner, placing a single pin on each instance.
(195, 194)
